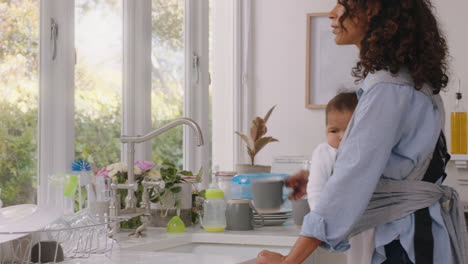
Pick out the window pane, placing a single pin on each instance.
(19, 86)
(98, 80)
(167, 90)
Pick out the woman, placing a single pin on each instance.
(390, 166)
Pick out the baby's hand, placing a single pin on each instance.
(298, 182)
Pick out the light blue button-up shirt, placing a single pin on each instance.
(395, 128)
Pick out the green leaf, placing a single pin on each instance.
(202, 194)
(199, 175)
(169, 173)
(155, 199)
(194, 218)
(169, 185)
(178, 179)
(176, 189)
(169, 164)
(186, 173)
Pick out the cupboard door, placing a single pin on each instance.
(324, 257)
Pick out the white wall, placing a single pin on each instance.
(279, 72)
(279, 76)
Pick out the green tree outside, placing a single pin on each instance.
(19, 86)
(96, 120)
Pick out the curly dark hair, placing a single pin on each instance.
(404, 33)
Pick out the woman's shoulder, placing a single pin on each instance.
(401, 81)
(403, 77)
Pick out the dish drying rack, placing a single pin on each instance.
(57, 245)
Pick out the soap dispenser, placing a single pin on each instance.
(458, 125)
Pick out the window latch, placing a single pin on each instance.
(196, 67)
(53, 37)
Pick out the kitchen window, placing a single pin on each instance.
(19, 87)
(98, 80)
(106, 68)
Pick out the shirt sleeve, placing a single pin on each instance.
(360, 163)
(320, 170)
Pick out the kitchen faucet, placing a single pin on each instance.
(131, 209)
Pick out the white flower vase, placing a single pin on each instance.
(164, 210)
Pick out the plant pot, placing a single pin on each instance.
(162, 212)
(247, 168)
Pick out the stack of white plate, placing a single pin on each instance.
(18, 220)
(274, 217)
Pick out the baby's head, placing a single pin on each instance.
(338, 113)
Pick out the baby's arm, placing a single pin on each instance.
(320, 170)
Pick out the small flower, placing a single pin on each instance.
(118, 167)
(153, 175)
(122, 167)
(103, 173)
(113, 173)
(144, 165)
(136, 170)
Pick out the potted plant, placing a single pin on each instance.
(255, 143)
(176, 196)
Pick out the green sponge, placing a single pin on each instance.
(70, 185)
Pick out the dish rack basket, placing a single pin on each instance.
(57, 245)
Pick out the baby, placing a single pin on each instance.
(338, 114)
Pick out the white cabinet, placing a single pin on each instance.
(322, 256)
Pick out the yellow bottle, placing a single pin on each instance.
(459, 126)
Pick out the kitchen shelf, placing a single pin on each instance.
(461, 160)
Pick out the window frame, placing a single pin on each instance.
(233, 90)
(56, 93)
(56, 96)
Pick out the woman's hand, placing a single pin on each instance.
(269, 257)
(298, 182)
(302, 249)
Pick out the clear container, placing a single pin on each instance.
(214, 211)
(458, 121)
(224, 178)
(240, 184)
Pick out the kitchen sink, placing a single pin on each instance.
(243, 252)
(231, 247)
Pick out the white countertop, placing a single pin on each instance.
(150, 249)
